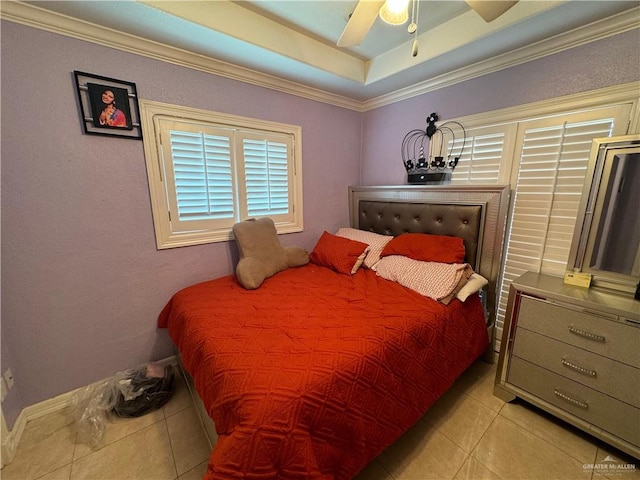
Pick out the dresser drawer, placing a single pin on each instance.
(596, 334)
(612, 378)
(607, 413)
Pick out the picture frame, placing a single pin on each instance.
(108, 106)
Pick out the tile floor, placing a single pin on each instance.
(467, 434)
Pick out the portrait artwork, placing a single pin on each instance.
(108, 106)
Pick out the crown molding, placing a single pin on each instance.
(36, 17)
(592, 99)
(598, 30)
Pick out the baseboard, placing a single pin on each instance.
(11, 438)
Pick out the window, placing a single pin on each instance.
(208, 171)
(541, 150)
(552, 157)
(484, 155)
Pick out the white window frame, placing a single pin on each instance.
(169, 234)
(510, 121)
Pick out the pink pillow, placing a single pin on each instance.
(339, 254)
(426, 248)
(430, 279)
(375, 241)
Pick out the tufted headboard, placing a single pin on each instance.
(477, 214)
(394, 218)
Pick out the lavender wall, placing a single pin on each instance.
(82, 281)
(612, 61)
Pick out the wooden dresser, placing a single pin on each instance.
(574, 352)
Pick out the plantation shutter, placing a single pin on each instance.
(207, 171)
(266, 173)
(553, 159)
(201, 173)
(202, 165)
(483, 155)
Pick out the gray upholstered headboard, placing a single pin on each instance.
(475, 213)
(394, 218)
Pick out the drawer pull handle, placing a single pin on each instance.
(589, 335)
(578, 368)
(571, 400)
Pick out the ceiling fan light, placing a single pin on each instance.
(395, 12)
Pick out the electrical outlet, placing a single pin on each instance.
(8, 377)
(3, 390)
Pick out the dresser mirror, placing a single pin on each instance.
(606, 238)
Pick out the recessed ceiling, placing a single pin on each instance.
(296, 39)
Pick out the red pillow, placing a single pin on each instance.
(426, 248)
(339, 253)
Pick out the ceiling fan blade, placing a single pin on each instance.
(359, 23)
(489, 10)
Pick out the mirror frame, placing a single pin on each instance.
(587, 218)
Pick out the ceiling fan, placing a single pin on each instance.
(366, 11)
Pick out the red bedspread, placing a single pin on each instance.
(314, 373)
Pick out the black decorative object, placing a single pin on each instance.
(437, 168)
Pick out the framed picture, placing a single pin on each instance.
(108, 106)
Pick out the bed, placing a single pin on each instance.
(315, 373)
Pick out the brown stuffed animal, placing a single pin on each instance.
(261, 254)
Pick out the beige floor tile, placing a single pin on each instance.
(180, 398)
(570, 440)
(514, 453)
(48, 424)
(373, 471)
(422, 453)
(63, 473)
(195, 473)
(38, 455)
(477, 382)
(460, 418)
(616, 465)
(117, 428)
(145, 454)
(188, 441)
(518, 443)
(472, 469)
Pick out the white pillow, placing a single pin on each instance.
(375, 241)
(475, 283)
(430, 279)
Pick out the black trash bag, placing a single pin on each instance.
(144, 390)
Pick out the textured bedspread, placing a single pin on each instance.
(313, 374)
